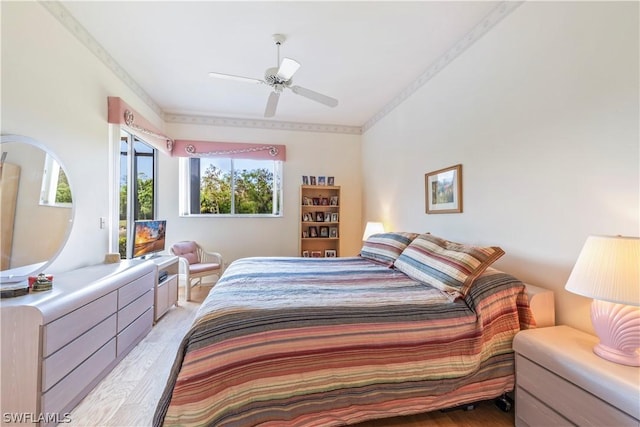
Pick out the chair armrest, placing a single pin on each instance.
(208, 256)
(183, 266)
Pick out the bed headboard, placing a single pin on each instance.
(542, 305)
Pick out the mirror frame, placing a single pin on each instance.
(22, 273)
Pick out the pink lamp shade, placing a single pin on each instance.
(608, 270)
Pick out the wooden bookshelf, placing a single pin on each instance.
(319, 229)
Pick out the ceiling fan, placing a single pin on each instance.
(280, 78)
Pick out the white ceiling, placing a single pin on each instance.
(364, 53)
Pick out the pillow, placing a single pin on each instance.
(384, 248)
(448, 266)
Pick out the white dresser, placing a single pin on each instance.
(57, 345)
(561, 382)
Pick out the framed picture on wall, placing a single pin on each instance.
(443, 190)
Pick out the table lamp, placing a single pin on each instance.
(608, 270)
(372, 228)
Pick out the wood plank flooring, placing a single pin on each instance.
(128, 395)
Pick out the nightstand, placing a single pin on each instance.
(560, 381)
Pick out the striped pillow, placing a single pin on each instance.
(448, 266)
(384, 248)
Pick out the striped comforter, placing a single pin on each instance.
(335, 341)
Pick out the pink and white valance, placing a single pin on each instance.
(235, 150)
(121, 113)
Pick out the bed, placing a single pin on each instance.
(336, 341)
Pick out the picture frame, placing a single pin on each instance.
(327, 217)
(319, 216)
(443, 190)
(324, 231)
(316, 254)
(333, 232)
(312, 180)
(324, 201)
(313, 231)
(322, 180)
(306, 217)
(307, 201)
(305, 254)
(305, 180)
(330, 181)
(330, 253)
(334, 217)
(333, 201)
(316, 201)
(305, 234)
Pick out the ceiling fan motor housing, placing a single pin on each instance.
(272, 79)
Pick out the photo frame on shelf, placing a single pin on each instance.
(316, 201)
(316, 254)
(313, 231)
(305, 234)
(333, 201)
(324, 231)
(334, 217)
(333, 232)
(307, 201)
(324, 201)
(322, 180)
(327, 217)
(443, 190)
(330, 253)
(305, 254)
(319, 216)
(305, 180)
(331, 181)
(312, 180)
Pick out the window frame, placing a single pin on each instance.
(186, 180)
(115, 170)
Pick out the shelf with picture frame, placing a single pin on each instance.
(319, 221)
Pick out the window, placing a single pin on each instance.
(137, 190)
(237, 187)
(55, 189)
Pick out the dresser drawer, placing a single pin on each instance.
(65, 360)
(131, 291)
(59, 397)
(574, 403)
(131, 312)
(530, 412)
(62, 331)
(135, 331)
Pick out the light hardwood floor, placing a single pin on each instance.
(128, 395)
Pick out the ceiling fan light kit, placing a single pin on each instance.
(280, 78)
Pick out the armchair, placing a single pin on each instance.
(196, 263)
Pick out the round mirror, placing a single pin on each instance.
(36, 207)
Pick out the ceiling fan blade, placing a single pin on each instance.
(272, 104)
(288, 68)
(318, 97)
(235, 78)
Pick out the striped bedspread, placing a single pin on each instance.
(335, 341)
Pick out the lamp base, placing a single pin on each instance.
(618, 327)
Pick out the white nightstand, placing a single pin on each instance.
(560, 381)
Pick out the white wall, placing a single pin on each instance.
(308, 153)
(543, 114)
(55, 90)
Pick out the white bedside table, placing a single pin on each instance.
(560, 381)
